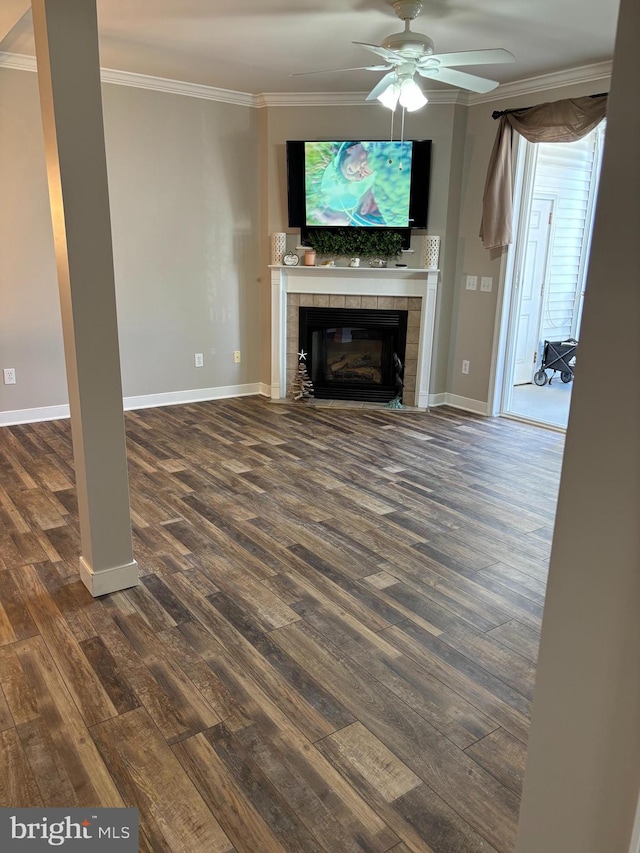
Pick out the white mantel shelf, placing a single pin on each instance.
(364, 268)
(352, 281)
(401, 280)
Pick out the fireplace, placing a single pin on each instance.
(398, 289)
(354, 354)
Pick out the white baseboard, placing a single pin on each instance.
(437, 399)
(146, 401)
(478, 407)
(197, 395)
(29, 416)
(108, 580)
(202, 395)
(457, 402)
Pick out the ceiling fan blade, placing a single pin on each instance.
(468, 57)
(460, 79)
(379, 88)
(389, 55)
(334, 70)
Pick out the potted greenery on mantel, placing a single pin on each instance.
(355, 242)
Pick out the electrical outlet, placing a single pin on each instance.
(9, 374)
(486, 283)
(465, 366)
(198, 359)
(472, 282)
(236, 356)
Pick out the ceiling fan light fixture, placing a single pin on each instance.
(389, 98)
(411, 96)
(408, 53)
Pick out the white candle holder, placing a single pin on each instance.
(278, 247)
(431, 253)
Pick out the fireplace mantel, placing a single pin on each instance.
(356, 281)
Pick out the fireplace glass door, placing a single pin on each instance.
(354, 354)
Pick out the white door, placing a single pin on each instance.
(532, 278)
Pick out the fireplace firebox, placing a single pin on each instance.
(354, 354)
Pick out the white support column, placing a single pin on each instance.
(66, 35)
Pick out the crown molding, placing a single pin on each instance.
(311, 99)
(598, 72)
(20, 62)
(17, 61)
(344, 99)
(177, 87)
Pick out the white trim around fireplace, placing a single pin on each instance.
(356, 281)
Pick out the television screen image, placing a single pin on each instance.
(365, 184)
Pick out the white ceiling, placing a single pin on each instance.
(254, 45)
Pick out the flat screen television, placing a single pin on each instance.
(358, 183)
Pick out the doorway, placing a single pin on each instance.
(534, 271)
(558, 190)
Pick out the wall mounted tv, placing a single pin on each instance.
(362, 184)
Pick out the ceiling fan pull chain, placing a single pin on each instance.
(402, 131)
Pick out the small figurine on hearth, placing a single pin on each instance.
(302, 386)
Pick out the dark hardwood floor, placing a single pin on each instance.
(333, 644)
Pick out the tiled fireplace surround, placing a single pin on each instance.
(320, 287)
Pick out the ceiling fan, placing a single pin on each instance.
(408, 53)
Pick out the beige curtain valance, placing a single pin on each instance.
(558, 121)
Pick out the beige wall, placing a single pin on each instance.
(184, 193)
(30, 325)
(184, 189)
